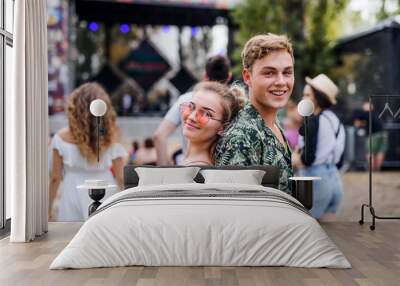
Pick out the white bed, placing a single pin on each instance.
(221, 225)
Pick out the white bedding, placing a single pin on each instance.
(182, 231)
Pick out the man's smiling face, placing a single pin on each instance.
(271, 80)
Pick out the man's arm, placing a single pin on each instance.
(160, 137)
(168, 125)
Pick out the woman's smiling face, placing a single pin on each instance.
(202, 116)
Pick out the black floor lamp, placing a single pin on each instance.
(370, 202)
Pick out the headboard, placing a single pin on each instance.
(270, 179)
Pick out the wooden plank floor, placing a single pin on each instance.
(375, 257)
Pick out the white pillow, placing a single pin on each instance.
(249, 177)
(164, 176)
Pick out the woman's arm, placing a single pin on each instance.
(118, 167)
(55, 178)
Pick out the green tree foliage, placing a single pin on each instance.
(383, 13)
(309, 24)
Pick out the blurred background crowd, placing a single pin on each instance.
(145, 54)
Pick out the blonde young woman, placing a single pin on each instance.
(205, 117)
(74, 153)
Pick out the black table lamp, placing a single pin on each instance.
(303, 186)
(96, 188)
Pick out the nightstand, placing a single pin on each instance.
(302, 189)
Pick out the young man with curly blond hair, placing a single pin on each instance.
(255, 137)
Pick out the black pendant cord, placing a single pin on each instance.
(369, 205)
(305, 136)
(98, 138)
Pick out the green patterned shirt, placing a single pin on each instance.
(248, 141)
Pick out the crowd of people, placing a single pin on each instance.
(221, 124)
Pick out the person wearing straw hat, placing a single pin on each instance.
(326, 141)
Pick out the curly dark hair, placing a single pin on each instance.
(82, 123)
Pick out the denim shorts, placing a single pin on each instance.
(327, 192)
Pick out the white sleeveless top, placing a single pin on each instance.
(74, 203)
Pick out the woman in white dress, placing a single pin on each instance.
(74, 153)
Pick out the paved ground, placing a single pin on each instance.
(385, 190)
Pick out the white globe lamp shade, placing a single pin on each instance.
(305, 107)
(98, 107)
